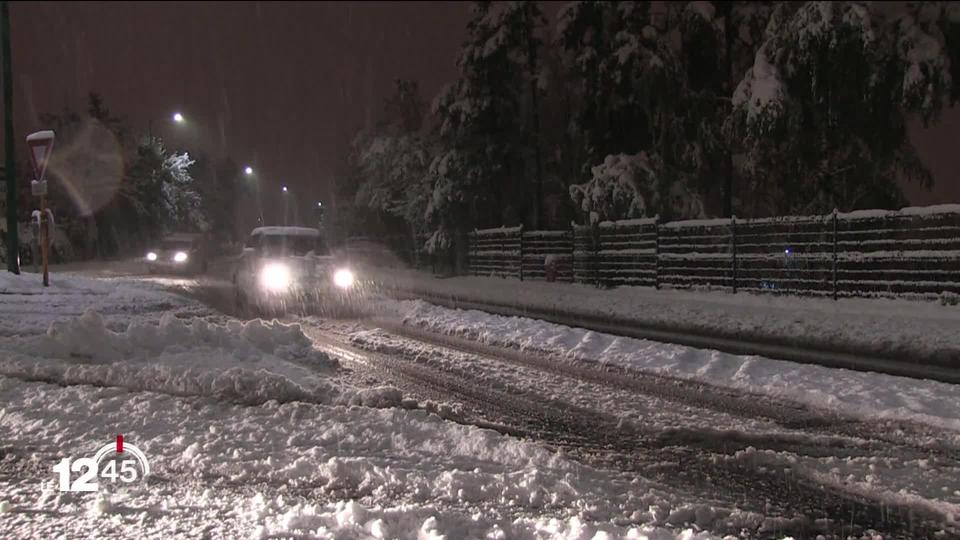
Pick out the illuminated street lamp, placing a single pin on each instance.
(284, 189)
(248, 171)
(178, 118)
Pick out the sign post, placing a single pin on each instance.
(41, 146)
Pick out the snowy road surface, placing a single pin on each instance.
(388, 428)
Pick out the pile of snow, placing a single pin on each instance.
(135, 335)
(250, 362)
(224, 470)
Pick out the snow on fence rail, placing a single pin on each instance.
(496, 252)
(913, 252)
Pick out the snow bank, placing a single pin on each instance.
(135, 335)
(862, 394)
(249, 362)
(891, 328)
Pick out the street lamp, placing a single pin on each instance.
(177, 119)
(319, 204)
(248, 171)
(284, 189)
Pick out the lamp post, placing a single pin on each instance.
(248, 171)
(13, 249)
(286, 207)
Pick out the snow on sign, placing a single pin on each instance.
(41, 146)
(38, 189)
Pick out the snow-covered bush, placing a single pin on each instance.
(629, 186)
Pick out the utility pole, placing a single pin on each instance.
(13, 246)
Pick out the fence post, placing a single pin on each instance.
(595, 256)
(656, 251)
(521, 252)
(733, 238)
(834, 269)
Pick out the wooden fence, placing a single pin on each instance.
(914, 252)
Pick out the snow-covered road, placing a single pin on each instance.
(723, 449)
(255, 428)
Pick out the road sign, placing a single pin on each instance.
(41, 146)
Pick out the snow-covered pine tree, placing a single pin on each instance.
(822, 112)
(631, 110)
(181, 200)
(486, 175)
(392, 163)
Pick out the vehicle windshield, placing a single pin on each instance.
(296, 245)
(171, 245)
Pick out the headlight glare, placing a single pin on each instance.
(343, 278)
(180, 256)
(275, 277)
(151, 256)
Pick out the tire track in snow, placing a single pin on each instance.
(791, 504)
(912, 437)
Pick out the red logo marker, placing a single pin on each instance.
(119, 444)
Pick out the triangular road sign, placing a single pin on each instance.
(41, 146)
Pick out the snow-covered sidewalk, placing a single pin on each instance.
(910, 331)
(251, 432)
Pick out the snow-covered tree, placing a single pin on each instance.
(391, 163)
(488, 118)
(620, 66)
(158, 194)
(634, 111)
(182, 205)
(822, 112)
(395, 168)
(628, 186)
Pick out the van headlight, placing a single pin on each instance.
(180, 256)
(151, 256)
(275, 277)
(343, 278)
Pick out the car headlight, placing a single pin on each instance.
(151, 256)
(275, 277)
(179, 256)
(343, 278)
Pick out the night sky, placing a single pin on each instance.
(281, 86)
